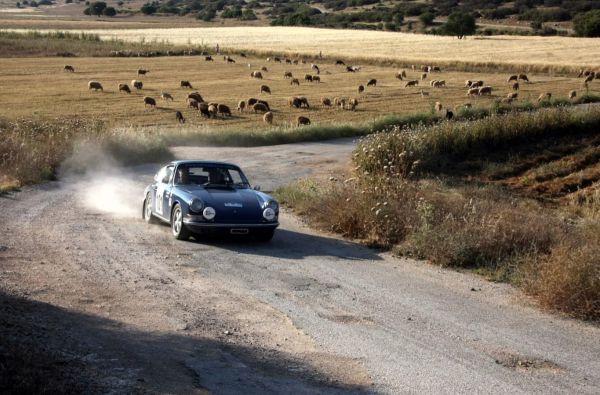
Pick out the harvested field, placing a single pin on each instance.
(34, 87)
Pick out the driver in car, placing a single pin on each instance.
(183, 176)
(218, 177)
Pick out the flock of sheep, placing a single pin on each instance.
(258, 106)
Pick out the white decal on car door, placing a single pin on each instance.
(158, 202)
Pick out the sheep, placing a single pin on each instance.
(124, 88)
(468, 83)
(295, 81)
(208, 58)
(259, 107)
(251, 101)
(361, 89)
(524, 77)
(185, 84)
(137, 84)
(179, 117)
(276, 59)
(356, 68)
(196, 96)
(295, 61)
(243, 55)
(95, 85)
(326, 101)
(265, 89)
(449, 115)
(485, 90)
(403, 73)
(438, 106)
(212, 110)
(315, 68)
(166, 96)
(287, 74)
(303, 102)
(372, 82)
(544, 96)
(342, 103)
(350, 69)
(336, 101)
(512, 96)
(203, 110)
(436, 69)
(340, 63)
(192, 103)
(230, 60)
(572, 95)
(515, 86)
(399, 75)
(424, 76)
(476, 84)
(268, 117)
(308, 77)
(411, 83)
(288, 61)
(424, 94)
(223, 109)
(241, 106)
(425, 68)
(316, 78)
(69, 68)
(589, 78)
(294, 102)
(352, 104)
(148, 101)
(432, 82)
(439, 84)
(257, 75)
(473, 92)
(513, 77)
(142, 72)
(213, 104)
(303, 121)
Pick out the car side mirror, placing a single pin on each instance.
(256, 188)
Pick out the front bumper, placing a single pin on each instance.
(212, 227)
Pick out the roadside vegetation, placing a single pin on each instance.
(450, 193)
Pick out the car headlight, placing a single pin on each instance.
(269, 214)
(196, 205)
(209, 213)
(272, 204)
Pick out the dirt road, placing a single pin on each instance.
(306, 313)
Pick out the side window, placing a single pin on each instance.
(235, 177)
(170, 174)
(160, 175)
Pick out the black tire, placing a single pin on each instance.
(147, 210)
(178, 229)
(264, 235)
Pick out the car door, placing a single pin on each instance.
(161, 198)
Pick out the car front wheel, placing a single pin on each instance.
(179, 230)
(148, 217)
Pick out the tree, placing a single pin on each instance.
(587, 24)
(148, 9)
(248, 15)
(95, 8)
(460, 25)
(109, 11)
(426, 18)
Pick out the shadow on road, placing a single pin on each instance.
(50, 349)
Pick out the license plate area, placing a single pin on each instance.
(239, 231)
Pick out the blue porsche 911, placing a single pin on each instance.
(198, 197)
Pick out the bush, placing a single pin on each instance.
(109, 11)
(96, 8)
(426, 18)
(149, 9)
(587, 24)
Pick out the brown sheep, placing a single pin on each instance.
(251, 101)
(264, 68)
(512, 96)
(513, 77)
(424, 93)
(196, 96)
(468, 83)
(589, 78)
(477, 84)
(124, 88)
(308, 77)
(342, 103)
(425, 68)
(256, 74)
(403, 73)
(203, 109)
(289, 61)
(438, 106)
(315, 68)
(266, 104)
(303, 102)
(191, 103)
(572, 95)
(295, 81)
(287, 74)
(544, 96)
(268, 117)
(372, 82)
(259, 107)
(142, 72)
(485, 90)
(212, 110)
(523, 77)
(336, 101)
(276, 59)
(399, 75)
(473, 92)
(411, 83)
(294, 102)
(316, 78)
(361, 89)
(224, 109)
(326, 101)
(439, 84)
(352, 103)
(303, 121)
(230, 60)
(424, 76)
(295, 61)
(432, 82)
(148, 101)
(166, 96)
(208, 58)
(69, 68)
(137, 84)
(265, 89)
(179, 117)
(515, 86)
(185, 84)
(95, 85)
(241, 106)
(436, 69)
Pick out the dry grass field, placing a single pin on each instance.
(547, 53)
(38, 88)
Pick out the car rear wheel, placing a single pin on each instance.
(180, 232)
(265, 235)
(148, 216)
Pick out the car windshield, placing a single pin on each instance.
(211, 176)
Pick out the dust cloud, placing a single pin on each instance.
(103, 185)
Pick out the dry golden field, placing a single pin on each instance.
(37, 87)
(547, 52)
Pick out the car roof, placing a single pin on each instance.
(202, 162)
